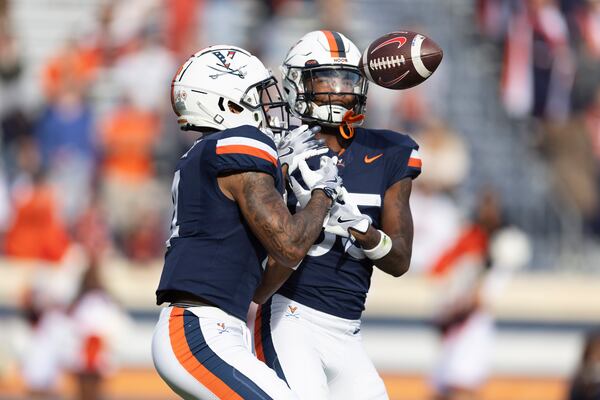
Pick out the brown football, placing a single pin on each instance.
(400, 60)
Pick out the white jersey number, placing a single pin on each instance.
(323, 247)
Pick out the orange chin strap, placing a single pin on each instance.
(348, 120)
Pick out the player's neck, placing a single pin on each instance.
(333, 139)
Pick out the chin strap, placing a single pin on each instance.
(348, 120)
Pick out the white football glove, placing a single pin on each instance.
(299, 144)
(302, 195)
(325, 178)
(345, 215)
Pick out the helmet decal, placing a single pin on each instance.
(223, 67)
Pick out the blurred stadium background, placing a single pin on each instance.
(88, 143)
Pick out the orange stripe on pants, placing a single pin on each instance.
(190, 362)
(258, 344)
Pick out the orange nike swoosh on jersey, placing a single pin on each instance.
(369, 160)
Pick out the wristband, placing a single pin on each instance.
(381, 250)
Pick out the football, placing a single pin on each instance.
(400, 60)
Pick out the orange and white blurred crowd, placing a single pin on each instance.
(89, 166)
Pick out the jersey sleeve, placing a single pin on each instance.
(405, 163)
(247, 149)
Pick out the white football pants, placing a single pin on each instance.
(203, 353)
(319, 355)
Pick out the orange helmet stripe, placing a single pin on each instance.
(336, 44)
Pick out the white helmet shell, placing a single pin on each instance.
(317, 52)
(222, 87)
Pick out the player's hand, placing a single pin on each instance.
(299, 144)
(302, 194)
(325, 178)
(345, 215)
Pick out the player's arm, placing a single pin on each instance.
(286, 237)
(397, 223)
(274, 276)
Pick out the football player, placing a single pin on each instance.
(229, 214)
(309, 331)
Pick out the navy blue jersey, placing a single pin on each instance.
(212, 253)
(335, 275)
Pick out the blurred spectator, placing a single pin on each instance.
(145, 72)
(36, 230)
(437, 222)
(445, 154)
(14, 123)
(475, 270)
(538, 66)
(98, 321)
(91, 230)
(587, 32)
(16, 128)
(492, 16)
(48, 343)
(72, 69)
(585, 385)
(592, 123)
(571, 159)
(65, 133)
(437, 217)
(182, 26)
(145, 241)
(129, 18)
(11, 67)
(4, 205)
(128, 137)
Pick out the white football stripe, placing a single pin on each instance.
(415, 54)
(367, 67)
(365, 199)
(244, 141)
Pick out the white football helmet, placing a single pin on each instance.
(321, 79)
(223, 87)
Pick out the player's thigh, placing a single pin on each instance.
(209, 358)
(356, 378)
(289, 345)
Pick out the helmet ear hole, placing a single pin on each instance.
(234, 108)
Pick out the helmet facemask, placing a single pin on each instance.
(324, 93)
(267, 96)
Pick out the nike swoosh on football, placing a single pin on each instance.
(399, 40)
(369, 160)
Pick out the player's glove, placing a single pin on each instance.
(345, 215)
(299, 144)
(325, 178)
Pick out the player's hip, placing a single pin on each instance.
(280, 309)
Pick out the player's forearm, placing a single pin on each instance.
(307, 223)
(397, 261)
(286, 237)
(274, 276)
(298, 232)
